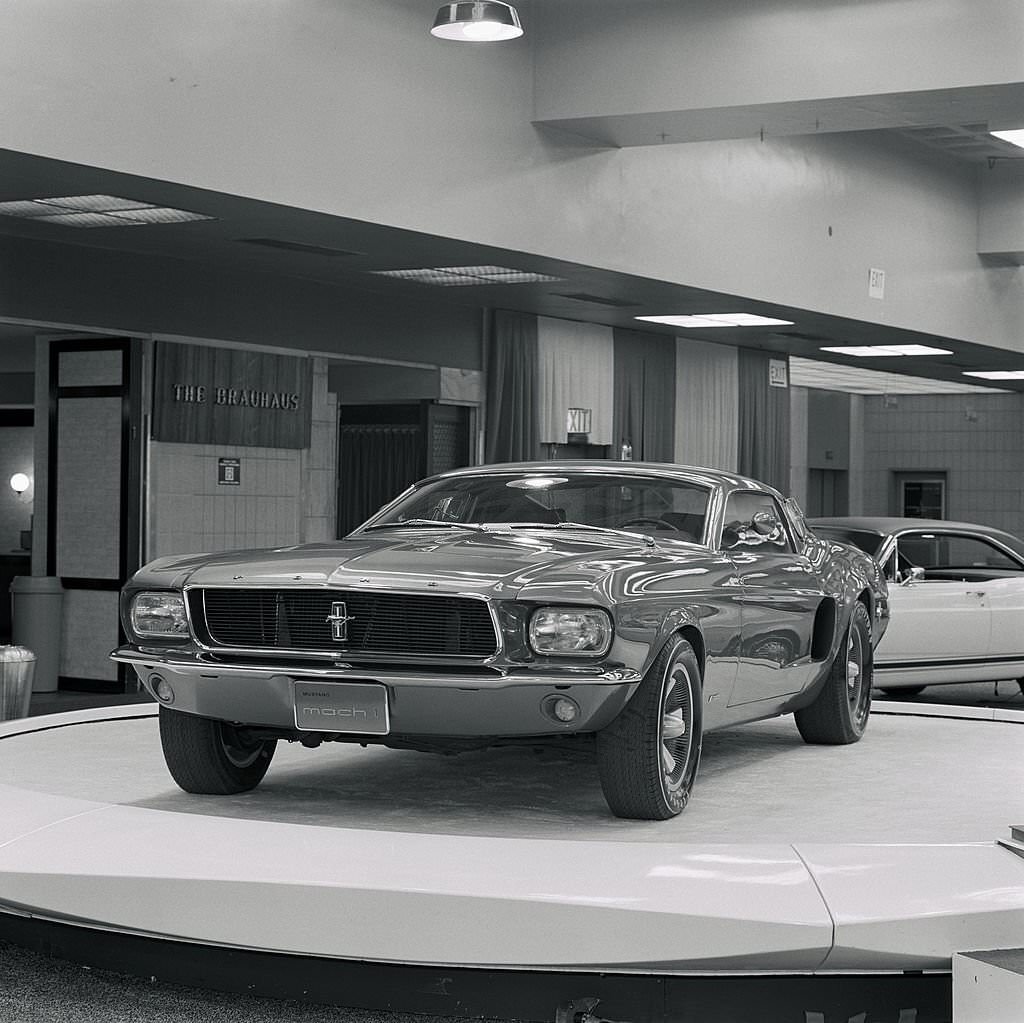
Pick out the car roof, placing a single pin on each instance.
(883, 524)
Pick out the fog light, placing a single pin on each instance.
(161, 688)
(561, 709)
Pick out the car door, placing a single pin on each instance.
(779, 596)
(938, 618)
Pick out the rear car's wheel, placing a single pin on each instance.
(647, 758)
(212, 757)
(902, 690)
(839, 714)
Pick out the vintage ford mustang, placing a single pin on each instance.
(641, 604)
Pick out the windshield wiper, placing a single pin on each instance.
(426, 523)
(583, 525)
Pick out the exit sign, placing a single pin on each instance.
(876, 283)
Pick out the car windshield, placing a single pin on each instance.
(866, 540)
(647, 504)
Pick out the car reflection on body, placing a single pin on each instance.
(956, 595)
(642, 604)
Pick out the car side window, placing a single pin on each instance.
(951, 551)
(754, 521)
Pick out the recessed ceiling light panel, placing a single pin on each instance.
(885, 351)
(997, 374)
(705, 320)
(96, 211)
(461, 276)
(1014, 136)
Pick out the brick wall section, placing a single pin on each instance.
(976, 439)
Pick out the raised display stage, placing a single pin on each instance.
(496, 883)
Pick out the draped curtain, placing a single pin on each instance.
(763, 422)
(645, 368)
(707, 405)
(385, 459)
(511, 415)
(575, 366)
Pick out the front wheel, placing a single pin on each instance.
(647, 758)
(211, 757)
(839, 714)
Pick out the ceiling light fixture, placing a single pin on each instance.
(480, 21)
(718, 320)
(997, 374)
(1014, 136)
(885, 351)
(96, 211)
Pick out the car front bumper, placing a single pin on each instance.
(514, 702)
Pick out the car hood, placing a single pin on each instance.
(493, 563)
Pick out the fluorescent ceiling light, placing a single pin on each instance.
(460, 276)
(885, 351)
(997, 374)
(478, 21)
(1015, 136)
(717, 320)
(96, 211)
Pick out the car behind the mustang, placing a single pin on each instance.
(642, 604)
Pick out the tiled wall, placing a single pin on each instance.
(15, 509)
(285, 496)
(977, 439)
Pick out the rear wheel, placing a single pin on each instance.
(839, 714)
(902, 690)
(647, 758)
(211, 757)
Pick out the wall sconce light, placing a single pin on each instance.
(20, 483)
(477, 21)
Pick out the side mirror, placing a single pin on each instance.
(767, 525)
(912, 576)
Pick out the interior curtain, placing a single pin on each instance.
(511, 416)
(576, 366)
(383, 460)
(644, 405)
(707, 405)
(763, 448)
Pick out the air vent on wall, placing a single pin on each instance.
(796, 335)
(313, 250)
(581, 296)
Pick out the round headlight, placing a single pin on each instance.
(159, 614)
(570, 631)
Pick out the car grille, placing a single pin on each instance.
(378, 623)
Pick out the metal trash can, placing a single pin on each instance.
(36, 620)
(17, 669)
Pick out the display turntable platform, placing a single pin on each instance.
(497, 883)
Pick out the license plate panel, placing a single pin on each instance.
(358, 708)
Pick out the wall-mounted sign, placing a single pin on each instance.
(230, 396)
(229, 472)
(876, 283)
(578, 420)
(778, 373)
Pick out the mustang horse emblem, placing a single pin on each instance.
(339, 619)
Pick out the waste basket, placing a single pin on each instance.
(17, 667)
(37, 604)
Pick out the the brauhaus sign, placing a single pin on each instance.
(230, 396)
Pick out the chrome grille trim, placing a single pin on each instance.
(384, 624)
